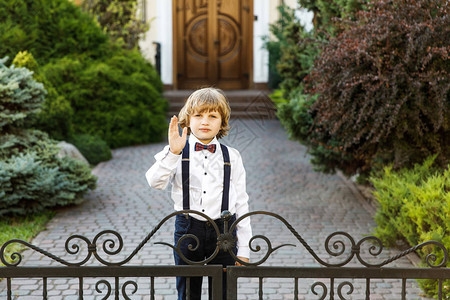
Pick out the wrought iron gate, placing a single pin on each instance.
(334, 244)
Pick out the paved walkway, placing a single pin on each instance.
(280, 179)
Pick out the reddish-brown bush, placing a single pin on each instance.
(384, 85)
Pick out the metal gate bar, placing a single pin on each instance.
(234, 273)
(214, 271)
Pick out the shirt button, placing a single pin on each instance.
(206, 157)
(203, 210)
(206, 173)
(204, 192)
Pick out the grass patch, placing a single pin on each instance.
(24, 228)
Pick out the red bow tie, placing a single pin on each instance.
(211, 148)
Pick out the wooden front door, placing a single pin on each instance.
(212, 42)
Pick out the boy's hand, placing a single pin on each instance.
(244, 259)
(176, 142)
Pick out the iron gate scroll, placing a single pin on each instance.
(335, 245)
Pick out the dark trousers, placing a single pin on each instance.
(207, 236)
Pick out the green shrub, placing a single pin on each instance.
(93, 148)
(32, 177)
(298, 53)
(56, 115)
(49, 29)
(25, 59)
(94, 86)
(296, 118)
(414, 206)
(273, 45)
(277, 97)
(117, 99)
(294, 114)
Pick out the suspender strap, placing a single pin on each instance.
(226, 177)
(185, 175)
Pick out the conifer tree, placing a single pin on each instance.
(32, 176)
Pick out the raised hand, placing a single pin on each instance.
(244, 259)
(176, 142)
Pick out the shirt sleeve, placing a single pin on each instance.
(163, 170)
(244, 229)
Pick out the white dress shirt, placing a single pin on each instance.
(206, 185)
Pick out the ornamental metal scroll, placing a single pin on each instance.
(225, 242)
(109, 246)
(104, 286)
(338, 247)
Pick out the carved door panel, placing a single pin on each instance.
(212, 43)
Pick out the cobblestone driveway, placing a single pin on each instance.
(280, 179)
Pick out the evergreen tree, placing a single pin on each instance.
(32, 176)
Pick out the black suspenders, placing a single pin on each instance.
(226, 177)
(185, 176)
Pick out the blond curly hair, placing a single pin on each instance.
(206, 100)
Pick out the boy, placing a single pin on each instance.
(205, 188)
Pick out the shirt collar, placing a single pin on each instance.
(193, 139)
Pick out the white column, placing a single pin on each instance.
(147, 39)
(261, 9)
(165, 37)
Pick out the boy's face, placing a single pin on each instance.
(205, 125)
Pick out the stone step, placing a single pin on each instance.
(243, 103)
(180, 96)
(236, 106)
